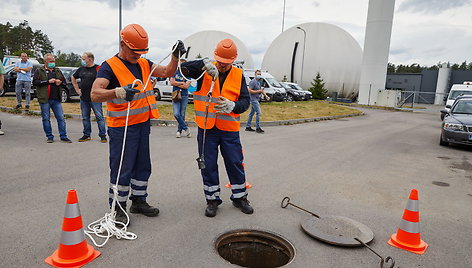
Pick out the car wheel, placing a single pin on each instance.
(157, 94)
(289, 97)
(443, 142)
(2, 92)
(64, 96)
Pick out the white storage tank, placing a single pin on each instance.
(203, 44)
(329, 50)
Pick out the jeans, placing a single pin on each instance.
(19, 86)
(136, 167)
(255, 108)
(86, 106)
(179, 108)
(56, 107)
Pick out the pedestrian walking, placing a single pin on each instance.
(179, 102)
(255, 90)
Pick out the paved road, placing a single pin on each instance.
(361, 167)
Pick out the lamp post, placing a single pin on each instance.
(303, 55)
(283, 18)
(119, 25)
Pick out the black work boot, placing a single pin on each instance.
(142, 207)
(243, 204)
(212, 207)
(259, 130)
(121, 216)
(249, 129)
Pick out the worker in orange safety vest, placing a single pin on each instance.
(218, 114)
(114, 85)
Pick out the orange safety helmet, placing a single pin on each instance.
(226, 51)
(136, 38)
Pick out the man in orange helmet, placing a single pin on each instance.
(218, 112)
(113, 85)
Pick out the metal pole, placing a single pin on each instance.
(303, 55)
(283, 18)
(370, 87)
(119, 19)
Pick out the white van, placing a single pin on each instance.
(269, 84)
(458, 90)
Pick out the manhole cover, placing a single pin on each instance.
(440, 183)
(252, 248)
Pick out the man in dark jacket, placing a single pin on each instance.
(48, 80)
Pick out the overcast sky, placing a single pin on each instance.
(424, 31)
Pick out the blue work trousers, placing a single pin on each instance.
(232, 152)
(86, 107)
(136, 166)
(56, 107)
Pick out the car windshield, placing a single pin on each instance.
(285, 86)
(463, 107)
(456, 93)
(273, 82)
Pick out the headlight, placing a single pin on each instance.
(454, 127)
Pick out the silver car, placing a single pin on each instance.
(457, 123)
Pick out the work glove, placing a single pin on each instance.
(210, 68)
(127, 92)
(224, 106)
(178, 50)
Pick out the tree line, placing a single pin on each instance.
(416, 68)
(15, 40)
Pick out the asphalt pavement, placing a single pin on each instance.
(360, 167)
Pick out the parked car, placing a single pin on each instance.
(307, 94)
(457, 123)
(68, 90)
(457, 90)
(292, 94)
(163, 89)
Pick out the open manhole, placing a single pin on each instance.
(253, 248)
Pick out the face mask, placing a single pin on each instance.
(51, 65)
(258, 76)
(83, 63)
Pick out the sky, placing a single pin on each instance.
(424, 31)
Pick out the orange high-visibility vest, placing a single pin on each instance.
(142, 107)
(231, 90)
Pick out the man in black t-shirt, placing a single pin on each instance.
(87, 74)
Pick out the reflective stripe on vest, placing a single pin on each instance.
(231, 90)
(142, 107)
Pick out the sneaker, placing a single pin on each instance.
(259, 130)
(212, 207)
(50, 140)
(243, 204)
(27, 108)
(103, 139)
(66, 140)
(120, 216)
(18, 107)
(249, 129)
(84, 138)
(142, 207)
(186, 133)
(1, 132)
(177, 135)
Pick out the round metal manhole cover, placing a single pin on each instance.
(440, 183)
(337, 230)
(253, 248)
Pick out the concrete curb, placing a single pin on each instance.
(161, 122)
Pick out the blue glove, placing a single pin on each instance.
(127, 92)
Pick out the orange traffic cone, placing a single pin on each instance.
(408, 235)
(248, 185)
(73, 250)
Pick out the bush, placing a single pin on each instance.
(318, 90)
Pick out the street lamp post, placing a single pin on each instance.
(303, 55)
(283, 18)
(119, 22)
